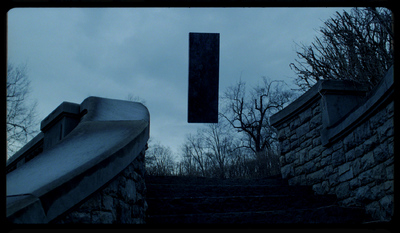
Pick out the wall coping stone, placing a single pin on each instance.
(320, 89)
(379, 95)
(345, 105)
(64, 109)
(96, 151)
(21, 153)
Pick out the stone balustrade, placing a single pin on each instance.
(340, 139)
(86, 166)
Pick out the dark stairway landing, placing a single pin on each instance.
(201, 200)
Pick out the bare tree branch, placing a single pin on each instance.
(251, 116)
(354, 46)
(21, 114)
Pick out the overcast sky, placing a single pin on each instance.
(73, 53)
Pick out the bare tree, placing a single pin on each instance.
(207, 153)
(250, 114)
(159, 160)
(186, 165)
(135, 98)
(217, 150)
(214, 151)
(21, 117)
(194, 150)
(220, 144)
(238, 159)
(354, 46)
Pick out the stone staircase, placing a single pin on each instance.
(250, 201)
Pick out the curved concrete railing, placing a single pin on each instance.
(109, 136)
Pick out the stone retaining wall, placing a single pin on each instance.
(121, 201)
(92, 170)
(342, 143)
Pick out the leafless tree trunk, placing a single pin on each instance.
(354, 46)
(250, 115)
(208, 151)
(159, 160)
(21, 116)
(194, 152)
(186, 165)
(219, 143)
(218, 151)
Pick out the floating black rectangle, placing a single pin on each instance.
(203, 77)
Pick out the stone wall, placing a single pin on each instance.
(120, 201)
(342, 144)
(93, 163)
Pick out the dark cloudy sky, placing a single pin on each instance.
(73, 53)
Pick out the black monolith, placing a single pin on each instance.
(203, 77)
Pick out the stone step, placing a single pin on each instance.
(266, 200)
(182, 190)
(276, 180)
(199, 186)
(327, 215)
(194, 205)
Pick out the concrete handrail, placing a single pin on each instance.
(107, 139)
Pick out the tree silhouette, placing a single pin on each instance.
(21, 116)
(354, 46)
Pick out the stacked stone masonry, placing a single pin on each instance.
(120, 201)
(85, 182)
(358, 167)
